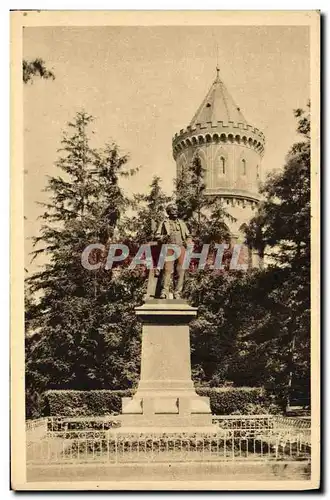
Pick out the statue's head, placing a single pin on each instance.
(172, 211)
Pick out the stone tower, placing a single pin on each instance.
(230, 150)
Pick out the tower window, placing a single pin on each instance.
(258, 173)
(243, 167)
(219, 170)
(222, 165)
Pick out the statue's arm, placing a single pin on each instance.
(188, 238)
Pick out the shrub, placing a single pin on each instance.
(83, 403)
(236, 400)
(223, 400)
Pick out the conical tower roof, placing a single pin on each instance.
(218, 105)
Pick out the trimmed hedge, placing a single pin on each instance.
(236, 400)
(223, 400)
(83, 403)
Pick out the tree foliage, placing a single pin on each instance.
(150, 210)
(36, 67)
(82, 331)
(282, 228)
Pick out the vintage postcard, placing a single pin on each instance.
(165, 250)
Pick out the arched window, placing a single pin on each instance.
(258, 172)
(222, 165)
(243, 167)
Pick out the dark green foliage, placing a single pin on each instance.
(239, 322)
(82, 332)
(150, 211)
(34, 68)
(83, 403)
(237, 400)
(224, 401)
(281, 228)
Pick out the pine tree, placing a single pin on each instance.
(82, 329)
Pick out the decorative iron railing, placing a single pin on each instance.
(287, 428)
(223, 421)
(291, 422)
(67, 424)
(100, 439)
(36, 429)
(243, 421)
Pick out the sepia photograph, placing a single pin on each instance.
(165, 250)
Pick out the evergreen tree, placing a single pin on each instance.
(283, 220)
(82, 330)
(281, 228)
(150, 210)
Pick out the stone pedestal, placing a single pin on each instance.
(166, 397)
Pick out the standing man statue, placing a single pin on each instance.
(173, 231)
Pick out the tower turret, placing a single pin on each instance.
(230, 150)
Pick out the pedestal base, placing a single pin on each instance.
(166, 409)
(166, 397)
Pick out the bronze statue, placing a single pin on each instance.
(173, 231)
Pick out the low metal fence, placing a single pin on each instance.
(243, 421)
(222, 421)
(36, 429)
(67, 424)
(99, 439)
(287, 428)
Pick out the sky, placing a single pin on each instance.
(144, 84)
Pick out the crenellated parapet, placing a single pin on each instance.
(219, 132)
